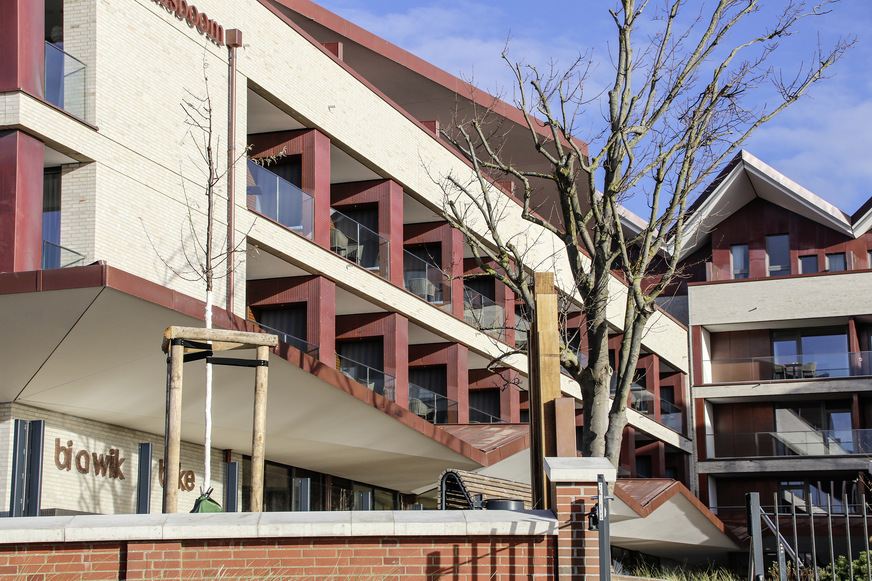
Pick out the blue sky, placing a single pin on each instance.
(823, 142)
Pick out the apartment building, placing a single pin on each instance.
(779, 318)
(328, 207)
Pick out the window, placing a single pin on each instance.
(778, 254)
(836, 262)
(808, 264)
(805, 353)
(739, 254)
(869, 259)
(51, 218)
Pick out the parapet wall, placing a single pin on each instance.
(327, 545)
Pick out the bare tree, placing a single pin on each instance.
(204, 260)
(681, 103)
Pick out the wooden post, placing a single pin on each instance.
(258, 444)
(173, 430)
(544, 372)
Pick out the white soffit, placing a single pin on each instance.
(749, 179)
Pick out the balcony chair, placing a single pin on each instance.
(338, 242)
(422, 410)
(808, 369)
(423, 288)
(779, 372)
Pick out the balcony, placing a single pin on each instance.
(425, 280)
(483, 313)
(56, 256)
(352, 240)
(287, 338)
(373, 379)
(431, 406)
(791, 443)
(792, 368)
(64, 80)
(644, 402)
(279, 200)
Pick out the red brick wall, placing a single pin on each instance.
(497, 558)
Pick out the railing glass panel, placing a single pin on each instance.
(287, 338)
(433, 407)
(425, 280)
(56, 256)
(479, 417)
(483, 313)
(64, 80)
(279, 200)
(375, 380)
(354, 241)
(792, 368)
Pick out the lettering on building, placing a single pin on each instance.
(195, 19)
(105, 465)
(187, 480)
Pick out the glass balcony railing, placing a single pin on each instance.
(373, 379)
(56, 256)
(644, 402)
(280, 200)
(793, 368)
(64, 80)
(352, 240)
(799, 443)
(288, 339)
(433, 407)
(483, 313)
(425, 280)
(479, 417)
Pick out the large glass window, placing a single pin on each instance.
(836, 262)
(739, 254)
(778, 254)
(808, 264)
(807, 353)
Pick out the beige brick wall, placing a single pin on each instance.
(94, 491)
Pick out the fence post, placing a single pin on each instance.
(752, 500)
(572, 484)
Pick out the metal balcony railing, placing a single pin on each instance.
(56, 256)
(433, 407)
(425, 280)
(790, 367)
(354, 241)
(287, 338)
(279, 200)
(797, 443)
(371, 378)
(64, 80)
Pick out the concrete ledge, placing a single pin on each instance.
(249, 525)
(579, 469)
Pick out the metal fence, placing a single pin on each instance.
(805, 542)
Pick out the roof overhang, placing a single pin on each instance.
(662, 518)
(87, 343)
(747, 178)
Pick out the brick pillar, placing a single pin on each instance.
(510, 398)
(572, 482)
(452, 264)
(458, 381)
(22, 44)
(21, 159)
(390, 225)
(321, 318)
(396, 349)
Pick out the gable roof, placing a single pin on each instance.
(746, 178)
